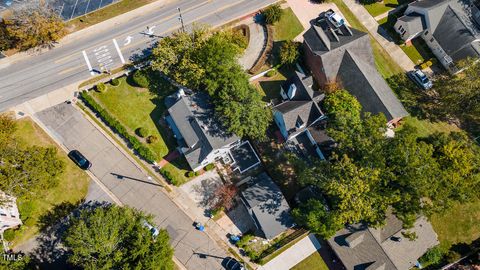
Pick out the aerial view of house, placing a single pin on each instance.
(450, 28)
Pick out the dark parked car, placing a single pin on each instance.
(79, 159)
(231, 264)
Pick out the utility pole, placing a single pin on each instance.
(180, 18)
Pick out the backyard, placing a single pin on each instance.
(72, 186)
(137, 107)
(313, 261)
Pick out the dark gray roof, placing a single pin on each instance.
(363, 81)
(267, 206)
(454, 36)
(374, 248)
(303, 106)
(413, 23)
(202, 131)
(322, 38)
(427, 3)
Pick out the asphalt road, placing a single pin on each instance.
(73, 62)
(195, 249)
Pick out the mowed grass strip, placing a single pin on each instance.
(312, 262)
(288, 27)
(72, 185)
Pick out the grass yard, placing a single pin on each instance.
(312, 262)
(72, 186)
(269, 87)
(418, 51)
(425, 127)
(377, 8)
(138, 107)
(288, 27)
(460, 224)
(105, 14)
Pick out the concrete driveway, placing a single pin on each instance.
(131, 186)
(202, 188)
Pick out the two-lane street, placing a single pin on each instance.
(108, 49)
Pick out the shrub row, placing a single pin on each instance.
(263, 57)
(113, 123)
(167, 175)
(209, 167)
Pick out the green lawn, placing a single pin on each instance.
(418, 51)
(269, 88)
(425, 127)
(377, 8)
(460, 224)
(312, 262)
(72, 186)
(138, 107)
(288, 27)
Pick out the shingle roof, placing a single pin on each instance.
(267, 205)
(378, 250)
(363, 81)
(203, 133)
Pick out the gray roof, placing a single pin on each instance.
(413, 23)
(201, 130)
(363, 81)
(361, 247)
(268, 207)
(303, 106)
(455, 37)
(451, 25)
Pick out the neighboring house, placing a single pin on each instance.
(343, 56)
(9, 215)
(299, 113)
(386, 248)
(201, 137)
(267, 206)
(447, 26)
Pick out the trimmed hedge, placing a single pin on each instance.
(190, 174)
(101, 87)
(169, 177)
(142, 132)
(115, 82)
(209, 167)
(116, 126)
(140, 79)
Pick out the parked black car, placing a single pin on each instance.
(231, 264)
(79, 159)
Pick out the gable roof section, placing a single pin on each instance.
(268, 206)
(363, 81)
(455, 37)
(202, 131)
(303, 84)
(414, 23)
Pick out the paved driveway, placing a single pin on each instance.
(132, 188)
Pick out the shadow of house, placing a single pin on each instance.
(267, 206)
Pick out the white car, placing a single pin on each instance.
(334, 18)
(420, 79)
(152, 229)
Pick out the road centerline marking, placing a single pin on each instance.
(88, 63)
(118, 51)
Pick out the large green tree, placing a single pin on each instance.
(33, 25)
(112, 237)
(24, 170)
(206, 60)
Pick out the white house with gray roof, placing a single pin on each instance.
(449, 28)
(201, 137)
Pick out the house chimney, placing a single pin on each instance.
(354, 239)
(292, 90)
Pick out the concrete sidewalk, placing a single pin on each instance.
(293, 255)
(372, 26)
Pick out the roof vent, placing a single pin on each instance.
(354, 239)
(292, 90)
(334, 34)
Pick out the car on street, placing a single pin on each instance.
(420, 79)
(154, 231)
(79, 159)
(334, 18)
(231, 264)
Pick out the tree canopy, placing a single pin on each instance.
(112, 237)
(289, 52)
(24, 170)
(369, 173)
(31, 25)
(273, 13)
(207, 61)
